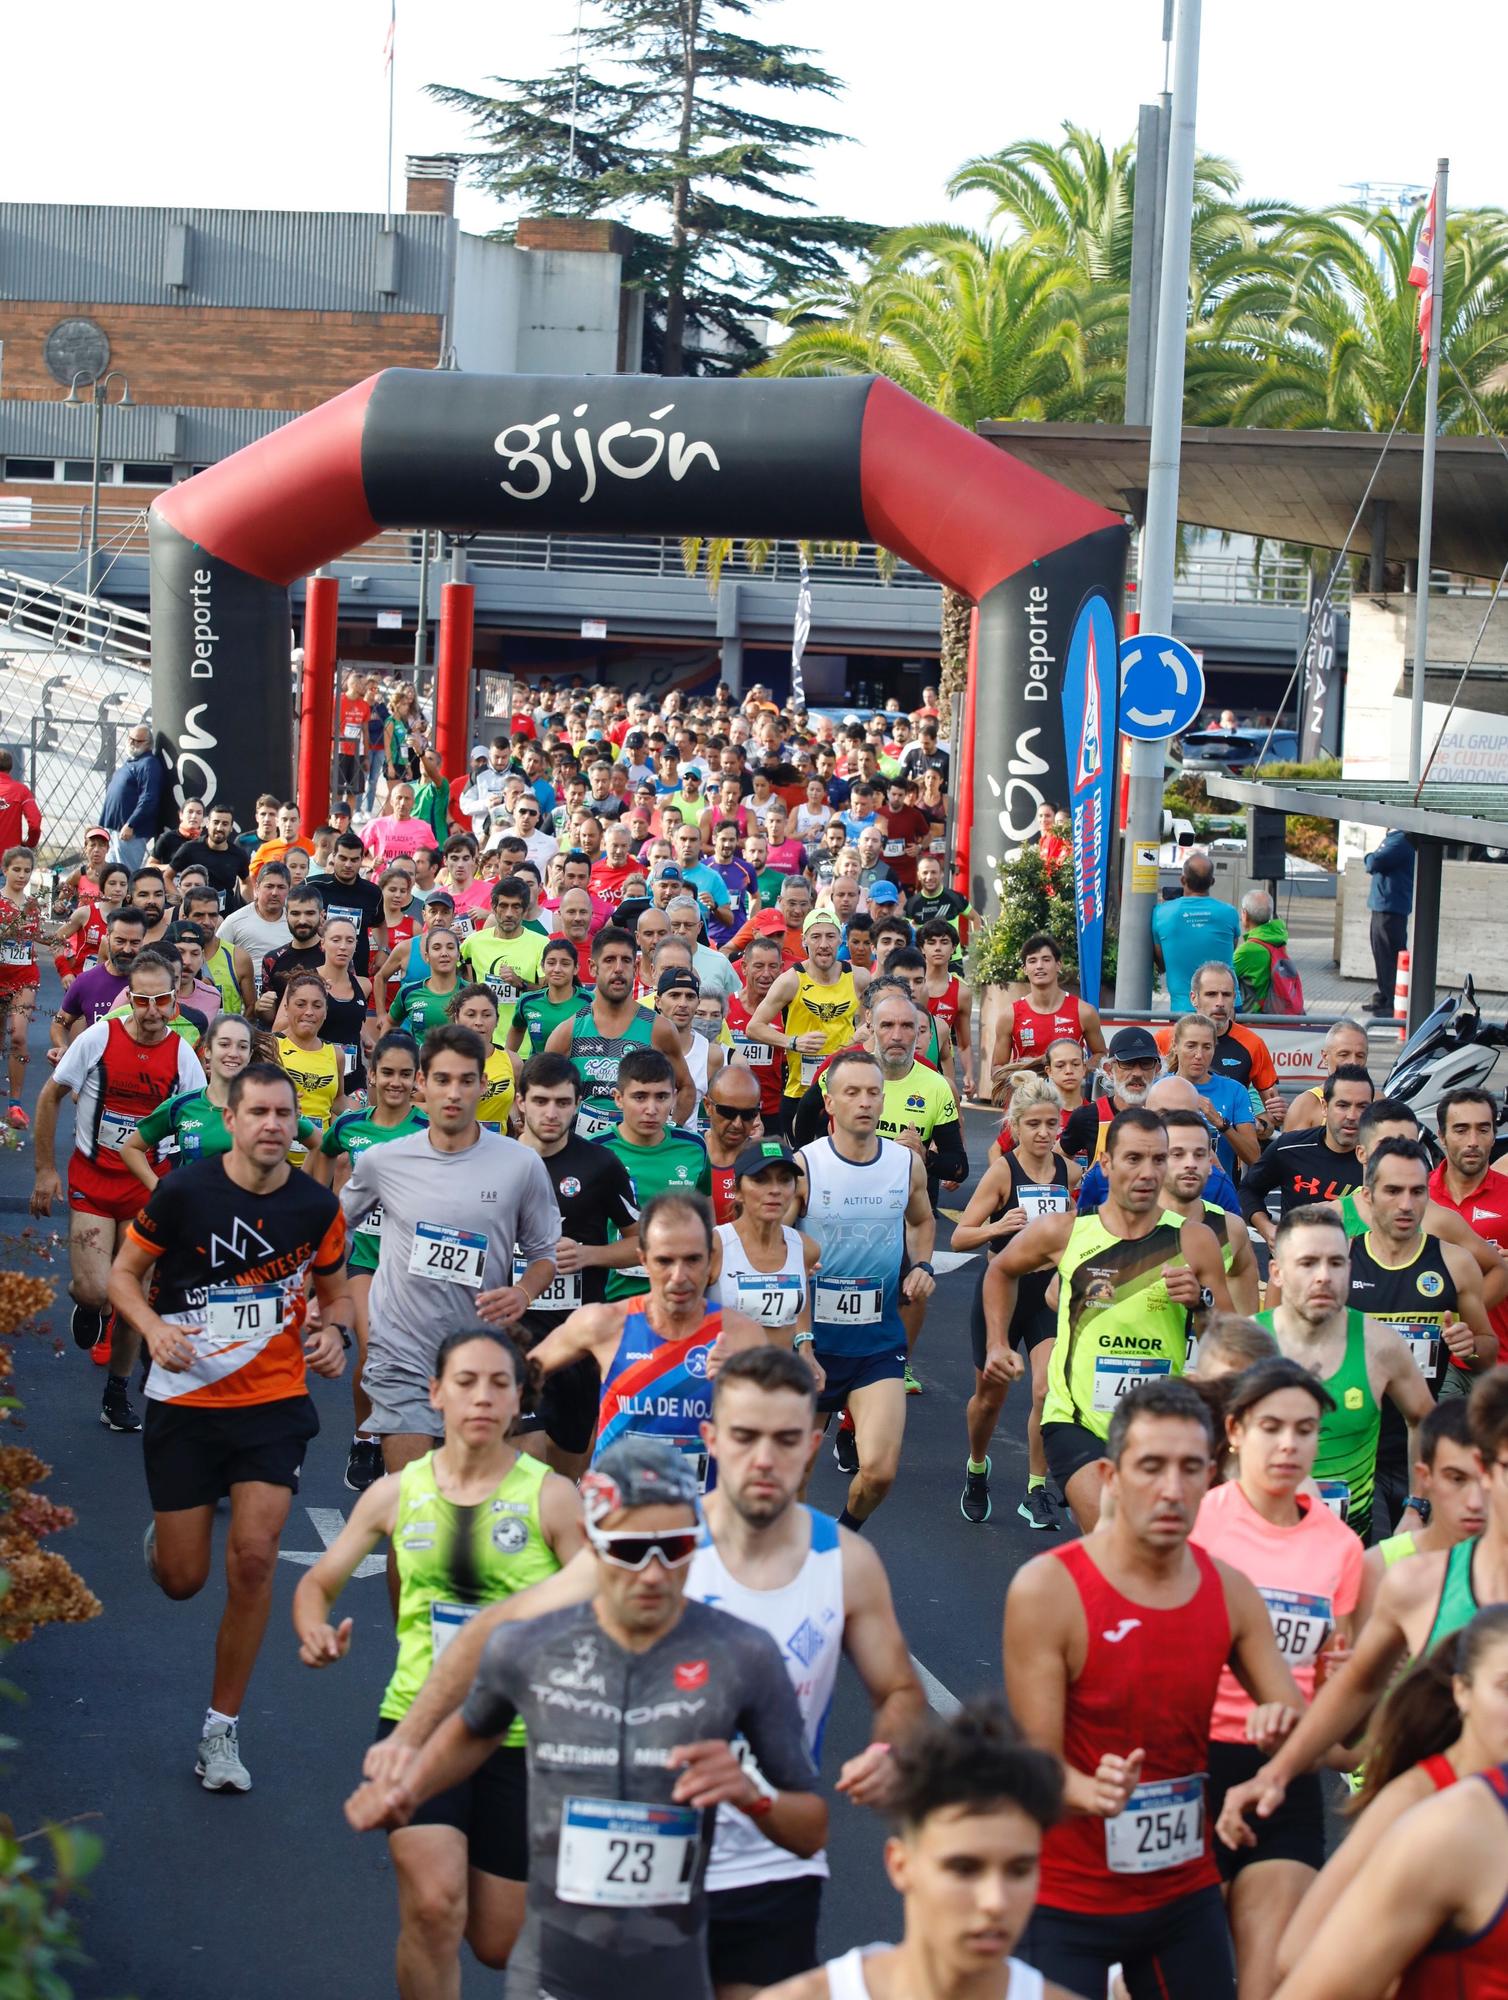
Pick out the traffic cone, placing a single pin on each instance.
(1401, 996)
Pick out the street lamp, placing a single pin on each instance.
(98, 394)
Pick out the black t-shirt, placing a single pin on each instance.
(210, 1231)
(278, 967)
(225, 866)
(361, 901)
(593, 1189)
(947, 903)
(1299, 1167)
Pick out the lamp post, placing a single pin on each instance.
(99, 395)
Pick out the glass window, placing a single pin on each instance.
(80, 469)
(136, 473)
(29, 468)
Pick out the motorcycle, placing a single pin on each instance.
(1452, 1049)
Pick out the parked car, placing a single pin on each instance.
(1232, 750)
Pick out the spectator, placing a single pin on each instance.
(133, 800)
(1390, 898)
(1049, 842)
(1253, 961)
(20, 815)
(1194, 928)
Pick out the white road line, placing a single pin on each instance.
(328, 1522)
(939, 1698)
(952, 1260)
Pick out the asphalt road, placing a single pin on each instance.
(224, 1897)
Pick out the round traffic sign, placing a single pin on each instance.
(1162, 686)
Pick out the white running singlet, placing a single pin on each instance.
(774, 1298)
(845, 1977)
(805, 1619)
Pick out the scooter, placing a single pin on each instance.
(1452, 1049)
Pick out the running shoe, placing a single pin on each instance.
(87, 1324)
(1039, 1510)
(846, 1446)
(115, 1411)
(364, 1466)
(974, 1502)
(219, 1768)
(18, 1118)
(913, 1387)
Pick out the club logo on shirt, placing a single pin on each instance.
(510, 1536)
(1354, 1398)
(1122, 1631)
(690, 1675)
(696, 1362)
(1430, 1284)
(570, 1186)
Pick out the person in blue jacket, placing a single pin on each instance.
(1389, 899)
(133, 800)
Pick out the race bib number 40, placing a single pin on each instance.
(849, 1304)
(620, 1854)
(1162, 1826)
(454, 1256)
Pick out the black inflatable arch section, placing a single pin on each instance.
(408, 448)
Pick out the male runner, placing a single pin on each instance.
(304, 952)
(216, 853)
(1303, 1167)
(1447, 1499)
(1113, 1652)
(819, 1001)
(629, 1702)
(1345, 1042)
(864, 1201)
(348, 893)
(600, 1036)
(1469, 1181)
(733, 1119)
(1419, 1603)
(1358, 1360)
(456, 1200)
(257, 928)
(505, 956)
(91, 996)
(228, 1245)
(1190, 1158)
(659, 1158)
(1132, 1065)
(1130, 1275)
(762, 963)
(1046, 1012)
(119, 1071)
(950, 999)
(599, 1214)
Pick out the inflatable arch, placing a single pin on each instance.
(627, 454)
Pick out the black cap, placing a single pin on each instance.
(1133, 1045)
(760, 1154)
(675, 977)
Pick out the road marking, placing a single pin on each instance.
(941, 1699)
(952, 1260)
(328, 1522)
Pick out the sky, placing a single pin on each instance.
(285, 105)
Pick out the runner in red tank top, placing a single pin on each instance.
(1113, 1653)
(949, 999)
(1467, 1181)
(762, 965)
(1044, 1014)
(1431, 1907)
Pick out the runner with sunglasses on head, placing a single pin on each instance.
(469, 1524)
(629, 1703)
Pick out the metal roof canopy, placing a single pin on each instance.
(1293, 486)
(1474, 814)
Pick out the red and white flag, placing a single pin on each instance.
(1421, 273)
(391, 35)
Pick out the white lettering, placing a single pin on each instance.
(520, 444)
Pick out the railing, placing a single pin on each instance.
(70, 620)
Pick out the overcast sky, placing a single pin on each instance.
(284, 104)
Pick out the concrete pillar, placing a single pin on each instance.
(730, 641)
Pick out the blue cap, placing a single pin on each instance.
(883, 892)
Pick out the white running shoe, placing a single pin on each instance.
(219, 1768)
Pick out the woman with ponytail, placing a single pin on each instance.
(1445, 1720)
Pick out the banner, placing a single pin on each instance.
(801, 633)
(1090, 681)
(1319, 695)
(1027, 627)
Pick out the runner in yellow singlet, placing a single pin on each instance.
(820, 1003)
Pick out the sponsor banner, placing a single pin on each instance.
(1320, 691)
(1088, 707)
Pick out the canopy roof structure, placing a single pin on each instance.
(1293, 486)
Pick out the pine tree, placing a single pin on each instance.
(657, 129)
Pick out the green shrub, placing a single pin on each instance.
(1033, 897)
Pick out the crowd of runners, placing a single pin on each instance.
(592, 1111)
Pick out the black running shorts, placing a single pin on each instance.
(194, 1455)
(763, 1932)
(491, 1808)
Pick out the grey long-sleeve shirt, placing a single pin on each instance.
(497, 1191)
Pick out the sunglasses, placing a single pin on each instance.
(733, 1112)
(168, 1002)
(673, 1546)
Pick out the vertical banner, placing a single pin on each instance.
(801, 632)
(1090, 685)
(1319, 698)
(1021, 758)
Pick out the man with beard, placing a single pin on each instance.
(1132, 1066)
(1468, 1181)
(1302, 1167)
(306, 923)
(598, 1038)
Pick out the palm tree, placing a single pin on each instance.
(1336, 346)
(977, 329)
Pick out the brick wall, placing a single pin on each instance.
(573, 232)
(222, 357)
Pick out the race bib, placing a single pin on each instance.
(454, 1256)
(592, 1124)
(848, 1303)
(1039, 1201)
(1114, 1379)
(14, 952)
(372, 1224)
(115, 1127)
(562, 1294)
(348, 1053)
(1162, 1827)
(771, 1297)
(1299, 1623)
(893, 848)
(758, 1055)
(809, 1068)
(695, 1454)
(445, 1621)
(1423, 1342)
(1336, 1495)
(351, 733)
(621, 1854)
(939, 844)
(237, 1313)
(352, 917)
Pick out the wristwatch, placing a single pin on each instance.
(924, 1264)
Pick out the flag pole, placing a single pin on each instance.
(392, 72)
(1432, 323)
